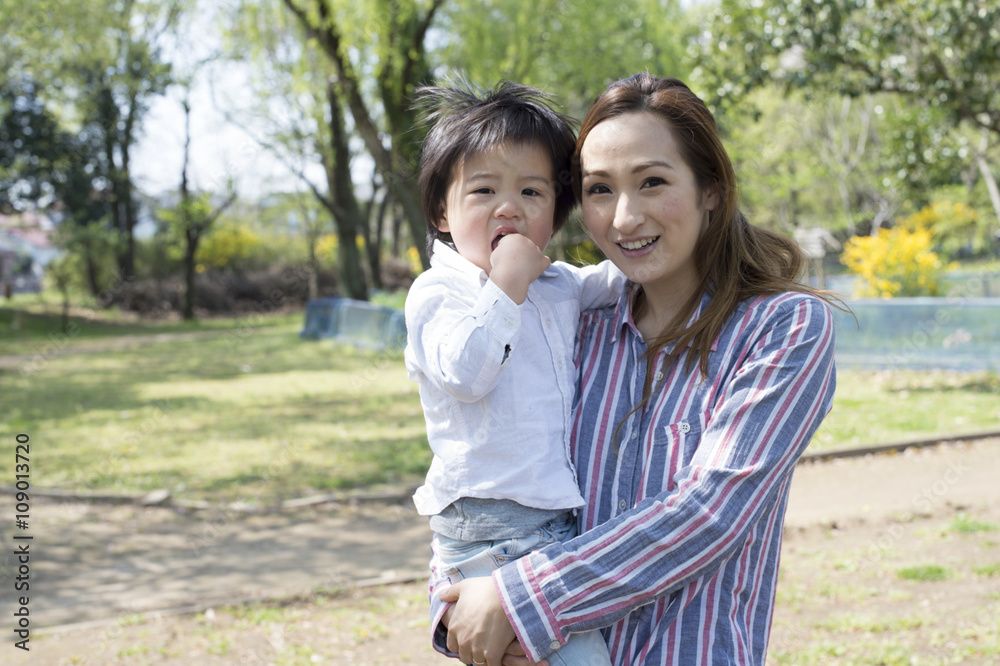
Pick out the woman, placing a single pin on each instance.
(696, 395)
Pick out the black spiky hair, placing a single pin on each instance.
(467, 120)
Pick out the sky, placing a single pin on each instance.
(219, 148)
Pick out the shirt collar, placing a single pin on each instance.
(623, 315)
(445, 256)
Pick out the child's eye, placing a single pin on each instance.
(531, 192)
(482, 190)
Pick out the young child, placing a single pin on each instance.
(490, 333)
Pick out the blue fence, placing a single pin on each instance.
(919, 333)
(356, 322)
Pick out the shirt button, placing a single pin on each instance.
(622, 505)
(554, 645)
(658, 376)
(684, 427)
(635, 434)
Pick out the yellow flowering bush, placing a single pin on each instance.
(413, 258)
(327, 247)
(227, 246)
(896, 262)
(954, 227)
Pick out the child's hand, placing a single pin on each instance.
(516, 263)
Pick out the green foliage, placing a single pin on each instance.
(956, 227)
(941, 53)
(895, 262)
(571, 49)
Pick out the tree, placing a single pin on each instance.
(939, 55)
(388, 41)
(192, 219)
(315, 129)
(99, 65)
(44, 166)
(570, 49)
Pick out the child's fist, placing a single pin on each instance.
(516, 263)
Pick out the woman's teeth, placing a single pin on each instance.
(637, 244)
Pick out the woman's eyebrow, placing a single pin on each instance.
(642, 166)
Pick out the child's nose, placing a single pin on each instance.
(508, 208)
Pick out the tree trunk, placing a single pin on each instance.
(190, 250)
(346, 211)
(991, 183)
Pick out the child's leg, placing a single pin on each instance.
(471, 559)
(475, 559)
(587, 649)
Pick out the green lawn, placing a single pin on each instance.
(249, 411)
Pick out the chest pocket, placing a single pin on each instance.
(675, 445)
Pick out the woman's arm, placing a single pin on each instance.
(762, 420)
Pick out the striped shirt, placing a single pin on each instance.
(677, 560)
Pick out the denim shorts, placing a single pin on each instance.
(475, 559)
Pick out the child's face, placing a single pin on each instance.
(507, 190)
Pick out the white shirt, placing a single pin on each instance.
(497, 379)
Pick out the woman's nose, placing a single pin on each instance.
(627, 214)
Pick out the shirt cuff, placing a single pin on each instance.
(495, 310)
(527, 609)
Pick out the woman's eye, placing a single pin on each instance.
(598, 189)
(653, 182)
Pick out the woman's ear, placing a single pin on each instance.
(710, 197)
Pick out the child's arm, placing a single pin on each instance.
(455, 343)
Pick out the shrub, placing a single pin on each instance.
(228, 246)
(896, 262)
(956, 228)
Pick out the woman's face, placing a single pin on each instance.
(641, 203)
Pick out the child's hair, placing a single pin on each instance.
(469, 121)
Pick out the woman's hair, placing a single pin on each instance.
(734, 259)
(470, 121)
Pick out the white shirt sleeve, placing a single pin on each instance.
(459, 341)
(599, 285)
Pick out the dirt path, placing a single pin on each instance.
(100, 563)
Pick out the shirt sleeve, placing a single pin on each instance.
(460, 344)
(761, 422)
(599, 285)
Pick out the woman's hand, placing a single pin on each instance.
(478, 628)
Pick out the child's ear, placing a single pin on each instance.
(442, 221)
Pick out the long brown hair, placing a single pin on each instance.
(734, 259)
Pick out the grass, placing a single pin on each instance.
(875, 407)
(242, 409)
(889, 611)
(925, 572)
